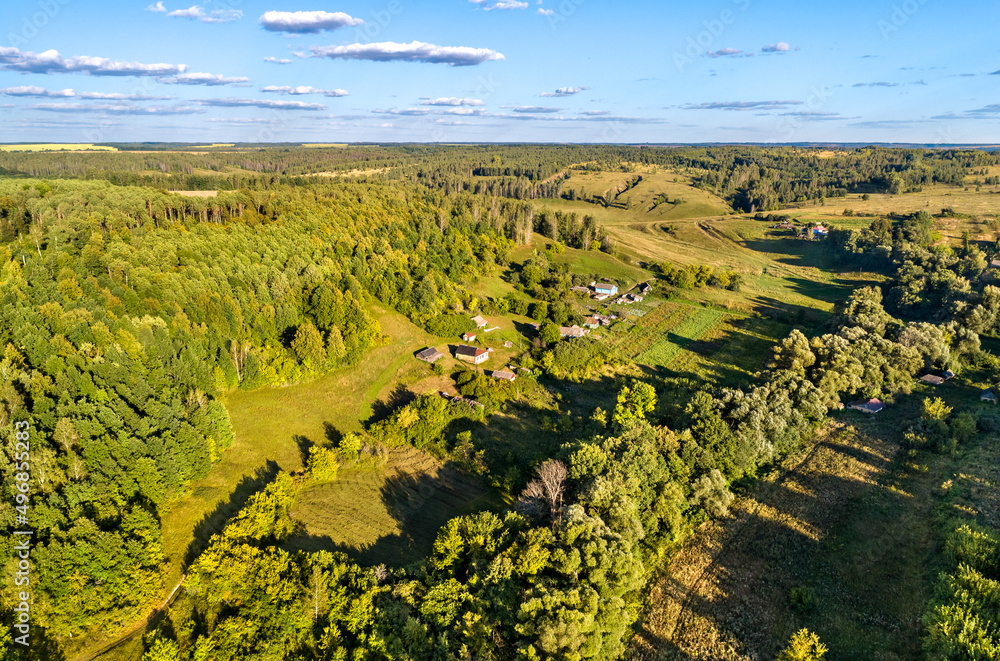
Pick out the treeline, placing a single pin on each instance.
(762, 179)
(750, 178)
(930, 280)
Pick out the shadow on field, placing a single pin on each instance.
(791, 313)
(418, 504)
(216, 520)
(827, 546)
(788, 250)
(397, 399)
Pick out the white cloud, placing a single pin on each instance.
(157, 8)
(500, 4)
(462, 111)
(14, 59)
(565, 91)
(116, 109)
(274, 60)
(223, 16)
(742, 105)
(546, 12)
(197, 12)
(533, 109)
(243, 120)
(452, 101)
(726, 52)
(407, 112)
(30, 90)
(389, 51)
(302, 89)
(116, 96)
(41, 92)
(203, 79)
(780, 47)
(258, 103)
(190, 12)
(306, 21)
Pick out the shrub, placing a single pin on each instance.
(450, 325)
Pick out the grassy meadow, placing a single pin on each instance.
(388, 515)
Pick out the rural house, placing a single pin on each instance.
(867, 406)
(473, 355)
(572, 331)
(931, 379)
(469, 337)
(504, 375)
(988, 396)
(479, 321)
(605, 288)
(430, 355)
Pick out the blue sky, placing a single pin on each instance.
(921, 71)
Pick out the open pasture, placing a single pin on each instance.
(389, 515)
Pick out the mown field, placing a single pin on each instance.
(388, 515)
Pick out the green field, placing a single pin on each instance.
(695, 326)
(389, 515)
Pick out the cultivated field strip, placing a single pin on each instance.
(661, 337)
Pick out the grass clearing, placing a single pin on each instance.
(386, 516)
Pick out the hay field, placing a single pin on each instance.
(386, 516)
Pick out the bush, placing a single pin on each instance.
(804, 646)
(803, 599)
(450, 325)
(976, 546)
(322, 465)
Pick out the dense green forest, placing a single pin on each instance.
(129, 311)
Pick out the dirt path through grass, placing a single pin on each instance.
(841, 531)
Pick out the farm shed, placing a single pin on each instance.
(867, 405)
(430, 355)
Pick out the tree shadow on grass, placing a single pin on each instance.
(215, 521)
(420, 504)
(397, 399)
